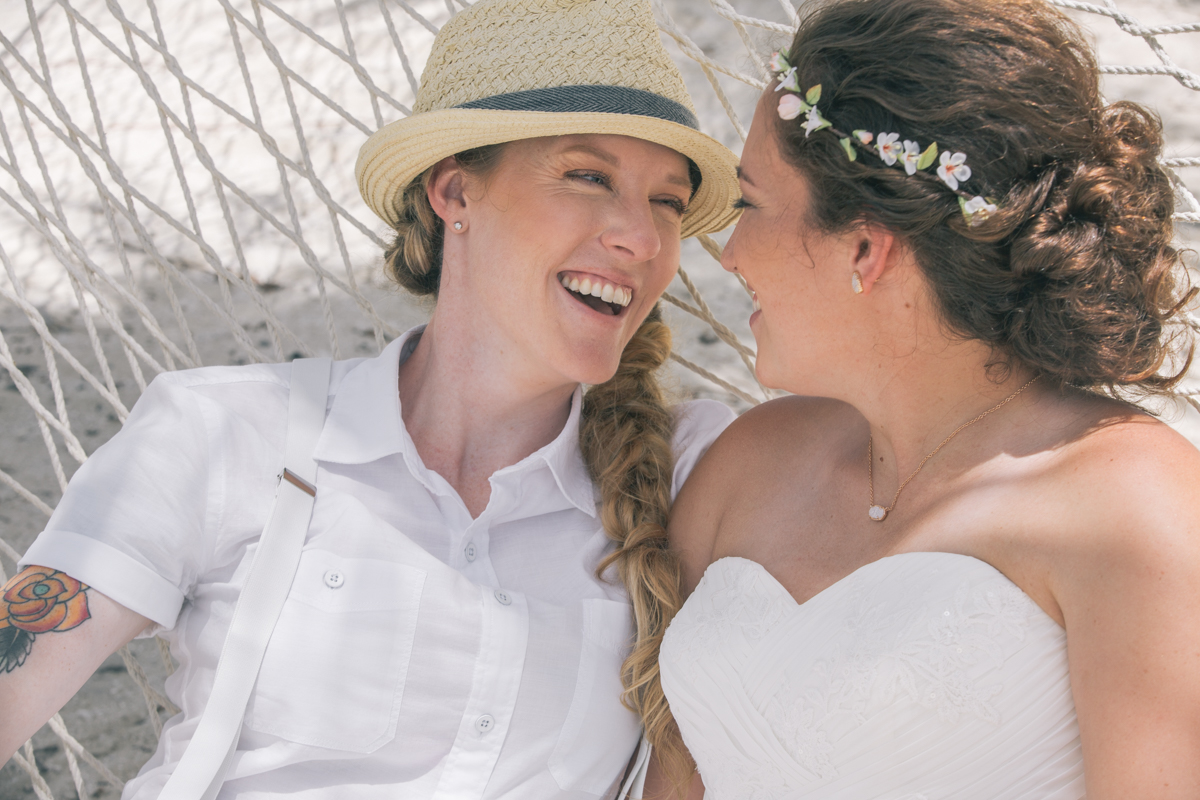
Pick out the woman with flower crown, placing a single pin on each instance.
(445, 617)
(951, 565)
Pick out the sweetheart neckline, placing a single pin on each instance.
(771, 695)
(797, 604)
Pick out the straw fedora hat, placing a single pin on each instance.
(505, 70)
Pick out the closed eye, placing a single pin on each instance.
(675, 203)
(741, 203)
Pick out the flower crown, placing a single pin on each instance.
(952, 167)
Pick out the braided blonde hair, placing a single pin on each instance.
(414, 259)
(625, 435)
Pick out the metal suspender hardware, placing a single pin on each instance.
(298, 482)
(201, 771)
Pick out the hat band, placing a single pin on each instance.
(594, 99)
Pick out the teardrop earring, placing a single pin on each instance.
(856, 282)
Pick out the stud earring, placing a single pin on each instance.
(856, 282)
(458, 227)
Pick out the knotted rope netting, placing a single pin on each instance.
(176, 190)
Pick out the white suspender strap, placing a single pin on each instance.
(635, 779)
(200, 772)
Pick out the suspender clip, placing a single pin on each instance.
(299, 483)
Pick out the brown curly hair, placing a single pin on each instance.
(1075, 277)
(626, 431)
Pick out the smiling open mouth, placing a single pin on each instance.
(598, 295)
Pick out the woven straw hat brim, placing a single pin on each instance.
(402, 150)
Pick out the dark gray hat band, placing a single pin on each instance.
(603, 99)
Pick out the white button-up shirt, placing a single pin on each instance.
(421, 653)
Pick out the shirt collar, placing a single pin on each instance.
(565, 461)
(365, 424)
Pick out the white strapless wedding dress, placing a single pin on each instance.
(922, 676)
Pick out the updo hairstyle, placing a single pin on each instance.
(1074, 277)
(625, 434)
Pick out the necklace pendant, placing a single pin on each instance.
(877, 513)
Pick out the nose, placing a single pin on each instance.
(633, 232)
(729, 251)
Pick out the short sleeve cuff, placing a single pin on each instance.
(114, 574)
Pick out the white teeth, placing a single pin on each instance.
(605, 291)
(754, 301)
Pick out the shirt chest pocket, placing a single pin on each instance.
(334, 671)
(599, 733)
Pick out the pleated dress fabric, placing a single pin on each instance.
(922, 676)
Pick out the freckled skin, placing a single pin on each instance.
(581, 204)
(507, 345)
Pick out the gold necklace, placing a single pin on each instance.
(879, 513)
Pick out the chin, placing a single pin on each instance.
(790, 378)
(766, 371)
(765, 376)
(589, 364)
(594, 374)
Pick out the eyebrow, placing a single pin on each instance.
(606, 157)
(743, 176)
(609, 158)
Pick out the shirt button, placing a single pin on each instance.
(469, 551)
(334, 579)
(504, 599)
(485, 724)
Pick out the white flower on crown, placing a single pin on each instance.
(814, 122)
(977, 209)
(910, 157)
(866, 137)
(790, 106)
(778, 63)
(789, 81)
(953, 169)
(889, 147)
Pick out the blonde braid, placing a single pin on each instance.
(626, 435)
(414, 259)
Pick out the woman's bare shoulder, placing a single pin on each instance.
(764, 440)
(1124, 568)
(1122, 500)
(1133, 473)
(755, 453)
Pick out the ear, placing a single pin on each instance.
(875, 250)
(446, 190)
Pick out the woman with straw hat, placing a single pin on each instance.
(952, 565)
(430, 607)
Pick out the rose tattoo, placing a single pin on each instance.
(37, 600)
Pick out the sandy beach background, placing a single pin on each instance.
(269, 303)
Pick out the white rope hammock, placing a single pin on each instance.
(176, 189)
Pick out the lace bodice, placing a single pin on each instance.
(918, 677)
